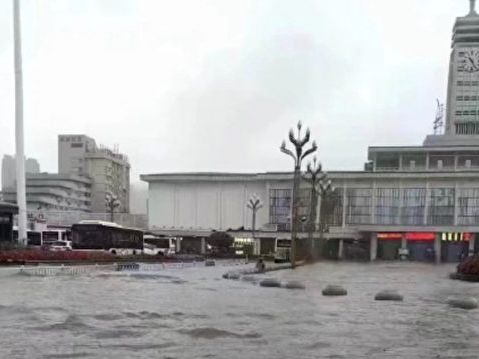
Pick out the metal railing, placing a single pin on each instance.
(50, 271)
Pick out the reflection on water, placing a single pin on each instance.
(190, 313)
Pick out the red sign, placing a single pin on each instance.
(420, 236)
(389, 235)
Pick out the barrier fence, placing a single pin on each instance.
(44, 271)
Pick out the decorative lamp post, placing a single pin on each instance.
(314, 176)
(325, 189)
(111, 203)
(298, 142)
(254, 203)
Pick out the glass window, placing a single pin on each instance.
(413, 205)
(387, 206)
(359, 206)
(441, 206)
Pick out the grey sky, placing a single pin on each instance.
(214, 85)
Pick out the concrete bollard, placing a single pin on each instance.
(463, 303)
(293, 284)
(391, 295)
(270, 283)
(334, 290)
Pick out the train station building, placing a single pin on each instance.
(423, 199)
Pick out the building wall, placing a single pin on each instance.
(53, 192)
(204, 205)
(109, 170)
(382, 200)
(71, 153)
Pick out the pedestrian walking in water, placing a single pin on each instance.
(260, 266)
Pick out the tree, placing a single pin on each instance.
(221, 241)
(111, 203)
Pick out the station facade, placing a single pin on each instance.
(420, 200)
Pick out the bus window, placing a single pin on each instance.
(34, 238)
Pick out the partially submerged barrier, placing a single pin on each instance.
(46, 271)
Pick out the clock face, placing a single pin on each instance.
(470, 60)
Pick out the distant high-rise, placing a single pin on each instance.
(8, 170)
(108, 169)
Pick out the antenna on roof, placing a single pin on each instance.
(472, 7)
(439, 120)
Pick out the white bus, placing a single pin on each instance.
(38, 238)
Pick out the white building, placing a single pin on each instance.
(421, 198)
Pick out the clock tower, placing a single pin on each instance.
(463, 84)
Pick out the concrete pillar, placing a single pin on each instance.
(472, 242)
(345, 204)
(340, 249)
(403, 241)
(178, 244)
(203, 245)
(437, 248)
(373, 247)
(257, 247)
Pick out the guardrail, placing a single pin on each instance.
(49, 271)
(42, 271)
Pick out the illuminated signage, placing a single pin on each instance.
(456, 236)
(420, 236)
(389, 235)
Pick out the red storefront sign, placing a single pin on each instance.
(389, 235)
(420, 236)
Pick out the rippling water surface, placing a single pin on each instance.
(194, 313)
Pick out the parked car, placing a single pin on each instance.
(152, 250)
(59, 246)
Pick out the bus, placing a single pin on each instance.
(282, 250)
(165, 245)
(108, 236)
(34, 238)
(46, 237)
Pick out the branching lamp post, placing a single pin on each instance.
(111, 202)
(325, 189)
(254, 204)
(314, 176)
(299, 142)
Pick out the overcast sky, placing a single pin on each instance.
(214, 85)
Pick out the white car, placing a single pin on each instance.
(59, 246)
(151, 250)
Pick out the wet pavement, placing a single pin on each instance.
(194, 313)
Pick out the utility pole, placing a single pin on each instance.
(298, 155)
(19, 131)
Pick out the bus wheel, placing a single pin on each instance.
(113, 252)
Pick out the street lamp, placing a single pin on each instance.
(314, 176)
(298, 155)
(325, 189)
(254, 203)
(111, 202)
